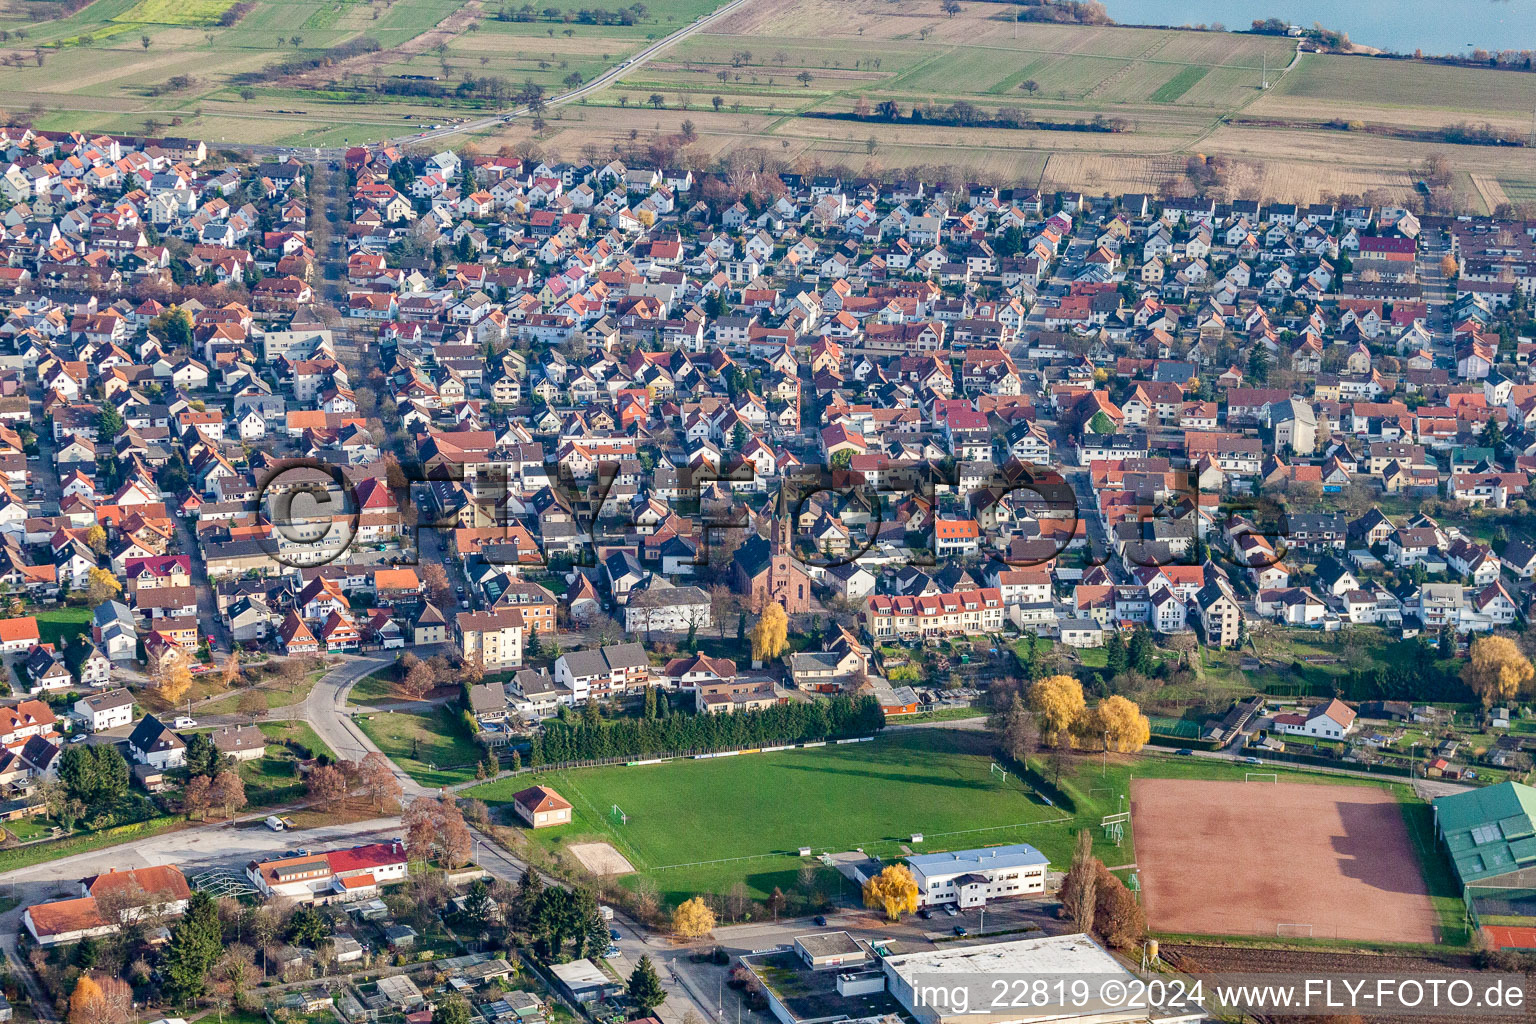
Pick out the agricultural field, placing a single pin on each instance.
(871, 796)
(767, 76)
(778, 67)
(175, 12)
(168, 65)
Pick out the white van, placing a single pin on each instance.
(275, 823)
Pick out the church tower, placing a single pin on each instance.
(780, 530)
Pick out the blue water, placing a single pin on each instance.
(1400, 25)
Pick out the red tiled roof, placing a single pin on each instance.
(374, 855)
(65, 916)
(22, 628)
(541, 798)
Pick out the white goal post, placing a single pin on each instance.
(1293, 931)
(1114, 826)
(1262, 776)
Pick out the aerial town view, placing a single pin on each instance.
(767, 511)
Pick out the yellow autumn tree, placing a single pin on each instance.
(893, 890)
(100, 1000)
(1058, 704)
(1497, 671)
(1122, 725)
(231, 669)
(173, 681)
(770, 637)
(102, 586)
(84, 1000)
(693, 919)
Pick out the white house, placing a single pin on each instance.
(667, 609)
(340, 874)
(153, 744)
(971, 877)
(107, 710)
(1331, 721)
(603, 671)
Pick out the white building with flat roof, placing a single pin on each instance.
(971, 877)
(931, 985)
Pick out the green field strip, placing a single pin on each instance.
(920, 67)
(1180, 84)
(1007, 86)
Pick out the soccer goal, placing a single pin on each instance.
(999, 770)
(1292, 930)
(618, 815)
(1114, 826)
(1262, 777)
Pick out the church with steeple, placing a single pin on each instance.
(765, 569)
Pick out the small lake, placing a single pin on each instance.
(1400, 25)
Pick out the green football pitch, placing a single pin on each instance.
(696, 824)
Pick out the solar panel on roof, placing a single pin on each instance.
(1484, 834)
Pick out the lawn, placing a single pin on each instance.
(429, 746)
(297, 732)
(59, 626)
(1444, 893)
(871, 796)
(272, 691)
(941, 715)
(26, 856)
(377, 688)
(27, 829)
(274, 777)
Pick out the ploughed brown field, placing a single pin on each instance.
(1242, 858)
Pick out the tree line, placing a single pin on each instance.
(964, 114)
(298, 65)
(631, 15)
(588, 739)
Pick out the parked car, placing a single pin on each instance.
(925, 913)
(1252, 760)
(959, 929)
(821, 922)
(183, 722)
(1185, 752)
(613, 933)
(949, 908)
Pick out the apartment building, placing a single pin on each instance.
(497, 636)
(974, 611)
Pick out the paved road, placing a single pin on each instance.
(325, 709)
(221, 845)
(1438, 292)
(601, 81)
(209, 621)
